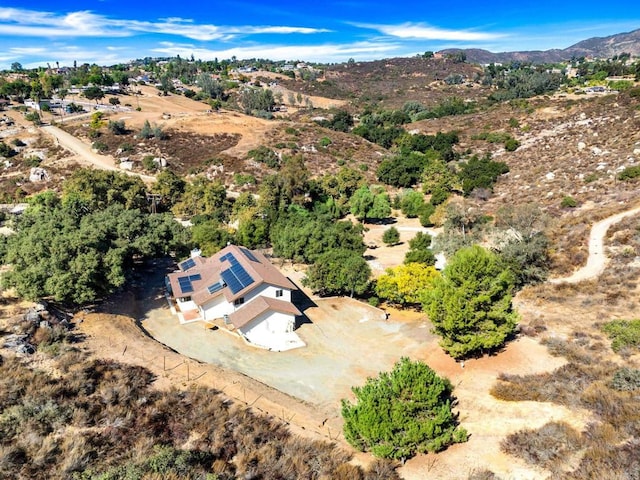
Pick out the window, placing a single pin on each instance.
(278, 293)
(238, 301)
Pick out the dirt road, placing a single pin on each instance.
(597, 260)
(84, 152)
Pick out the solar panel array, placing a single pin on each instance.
(249, 254)
(185, 284)
(236, 277)
(187, 264)
(214, 288)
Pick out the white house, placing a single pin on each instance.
(242, 291)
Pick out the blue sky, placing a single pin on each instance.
(113, 31)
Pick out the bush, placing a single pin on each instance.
(117, 127)
(7, 151)
(148, 164)
(32, 161)
(629, 173)
(626, 379)
(624, 334)
(402, 413)
(391, 236)
(568, 202)
(546, 447)
(265, 155)
(511, 145)
(100, 146)
(325, 142)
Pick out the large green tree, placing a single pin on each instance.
(470, 303)
(402, 413)
(338, 272)
(92, 190)
(65, 255)
(405, 284)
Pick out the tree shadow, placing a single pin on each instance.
(301, 300)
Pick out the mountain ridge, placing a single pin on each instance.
(598, 47)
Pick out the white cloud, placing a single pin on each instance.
(23, 22)
(313, 53)
(420, 31)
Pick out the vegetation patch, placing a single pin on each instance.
(402, 413)
(547, 447)
(624, 335)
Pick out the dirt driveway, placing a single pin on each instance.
(347, 341)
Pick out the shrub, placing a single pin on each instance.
(402, 413)
(624, 334)
(546, 447)
(629, 173)
(511, 145)
(325, 142)
(148, 163)
(626, 379)
(32, 161)
(391, 236)
(265, 155)
(6, 150)
(568, 202)
(117, 127)
(100, 146)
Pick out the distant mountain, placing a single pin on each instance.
(599, 47)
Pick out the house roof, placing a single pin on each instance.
(233, 272)
(257, 307)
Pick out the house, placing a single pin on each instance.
(240, 290)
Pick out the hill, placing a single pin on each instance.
(597, 47)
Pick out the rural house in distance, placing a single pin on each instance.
(238, 289)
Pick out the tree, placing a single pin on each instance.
(338, 272)
(209, 237)
(202, 197)
(523, 246)
(114, 101)
(420, 250)
(117, 127)
(93, 93)
(98, 189)
(79, 257)
(402, 413)
(391, 236)
(381, 207)
(411, 203)
(170, 186)
(470, 304)
(361, 202)
(405, 284)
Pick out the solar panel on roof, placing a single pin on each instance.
(249, 254)
(231, 281)
(185, 284)
(195, 277)
(187, 264)
(214, 288)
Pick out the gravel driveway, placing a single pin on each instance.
(347, 341)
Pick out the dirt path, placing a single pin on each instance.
(597, 260)
(84, 152)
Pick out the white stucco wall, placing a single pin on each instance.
(216, 308)
(263, 329)
(267, 290)
(185, 306)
